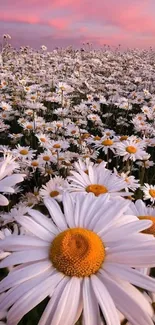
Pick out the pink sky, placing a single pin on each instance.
(74, 22)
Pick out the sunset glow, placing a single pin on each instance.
(66, 22)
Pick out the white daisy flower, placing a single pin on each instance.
(23, 153)
(106, 144)
(5, 106)
(131, 182)
(54, 188)
(8, 181)
(59, 145)
(45, 157)
(130, 149)
(86, 255)
(97, 180)
(44, 139)
(149, 192)
(143, 212)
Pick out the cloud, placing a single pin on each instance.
(123, 21)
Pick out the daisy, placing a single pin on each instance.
(45, 157)
(97, 180)
(143, 212)
(94, 118)
(59, 145)
(72, 130)
(29, 126)
(149, 192)
(44, 139)
(131, 182)
(8, 181)
(54, 188)
(146, 163)
(13, 214)
(5, 107)
(130, 149)
(104, 144)
(23, 153)
(95, 107)
(84, 254)
(15, 136)
(84, 164)
(34, 164)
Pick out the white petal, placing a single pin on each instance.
(130, 302)
(20, 275)
(32, 298)
(52, 304)
(84, 208)
(24, 257)
(56, 213)
(78, 203)
(43, 221)
(142, 255)
(12, 295)
(67, 308)
(90, 305)
(130, 275)
(105, 301)
(22, 242)
(90, 217)
(3, 200)
(107, 214)
(69, 205)
(11, 180)
(126, 230)
(6, 189)
(35, 228)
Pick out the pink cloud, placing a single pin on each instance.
(127, 21)
(60, 23)
(30, 19)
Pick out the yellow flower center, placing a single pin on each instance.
(150, 230)
(23, 152)
(97, 138)
(34, 163)
(86, 156)
(54, 193)
(77, 252)
(29, 127)
(57, 146)
(131, 149)
(46, 158)
(85, 136)
(152, 192)
(58, 125)
(42, 139)
(49, 171)
(96, 189)
(107, 142)
(123, 137)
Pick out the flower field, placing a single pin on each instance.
(77, 186)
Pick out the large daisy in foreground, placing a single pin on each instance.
(82, 259)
